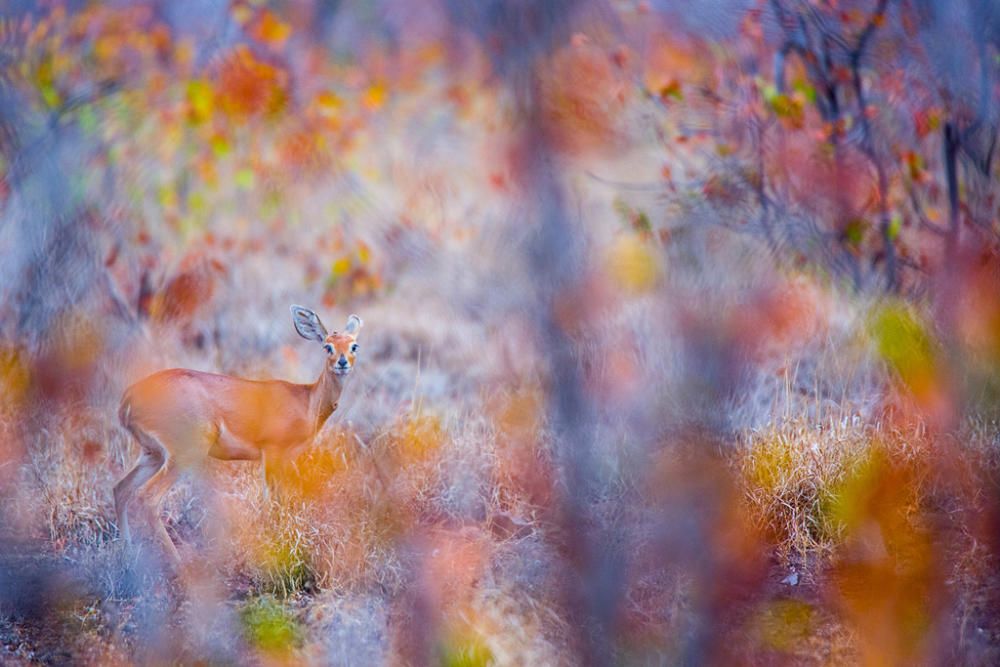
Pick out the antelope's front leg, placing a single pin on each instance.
(265, 489)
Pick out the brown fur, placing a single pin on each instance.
(180, 417)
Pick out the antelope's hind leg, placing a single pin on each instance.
(153, 475)
(145, 468)
(153, 493)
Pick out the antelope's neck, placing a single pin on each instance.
(323, 397)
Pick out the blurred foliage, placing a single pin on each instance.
(465, 652)
(612, 251)
(783, 624)
(907, 346)
(270, 626)
(14, 376)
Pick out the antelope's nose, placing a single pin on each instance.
(342, 362)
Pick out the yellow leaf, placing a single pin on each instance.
(200, 99)
(364, 253)
(341, 267)
(167, 196)
(241, 13)
(633, 265)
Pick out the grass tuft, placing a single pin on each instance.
(270, 626)
(806, 484)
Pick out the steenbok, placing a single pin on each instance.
(179, 417)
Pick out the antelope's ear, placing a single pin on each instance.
(354, 325)
(308, 324)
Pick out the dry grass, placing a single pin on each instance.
(798, 477)
(442, 518)
(429, 522)
(596, 416)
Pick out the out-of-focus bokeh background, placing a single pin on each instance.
(681, 344)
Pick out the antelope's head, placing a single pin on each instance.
(341, 346)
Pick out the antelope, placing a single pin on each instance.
(179, 417)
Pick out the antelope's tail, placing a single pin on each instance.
(125, 411)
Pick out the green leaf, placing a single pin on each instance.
(807, 91)
(196, 202)
(907, 346)
(270, 627)
(854, 231)
(895, 225)
(87, 119)
(786, 106)
(641, 223)
(51, 96)
(767, 89)
(245, 178)
(221, 146)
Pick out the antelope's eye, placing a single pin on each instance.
(354, 348)
(328, 348)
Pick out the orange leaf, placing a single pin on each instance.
(271, 30)
(375, 96)
(250, 87)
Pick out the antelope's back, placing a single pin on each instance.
(192, 405)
